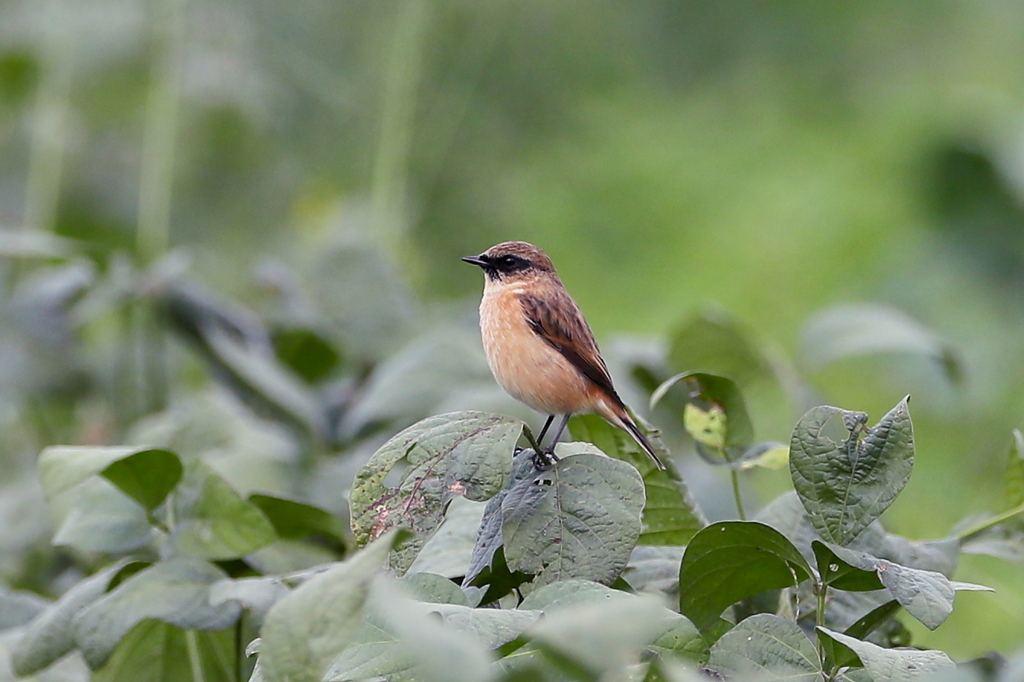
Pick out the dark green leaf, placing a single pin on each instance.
(846, 475)
(147, 476)
(62, 467)
(926, 595)
(671, 515)
(175, 591)
(52, 635)
(897, 665)
(732, 560)
(462, 453)
(857, 330)
(293, 520)
(577, 519)
(873, 619)
(306, 630)
(766, 646)
(306, 352)
(213, 521)
(154, 651)
(715, 414)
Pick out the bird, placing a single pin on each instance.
(539, 346)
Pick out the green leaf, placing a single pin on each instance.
(606, 636)
(18, 607)
(715, 414)
(175, 591)
(857, 330)
(404, 639)
(654, 569)
(306, 352)
(62, 467)
(681, 640)
(765, 646)
(433, 588)
(213, 521)
(845, 474)
(1015, 472)
(449, 550)
(306, 630)
(154, 651)
(671, 515)
(462, 453)
(104, 519)
(872, 620)
(895, 665)
(577, 519)
(926, 595)
(293, 520)
(256, 595)
(52, 634)
(146, 476)
(712, 341)
(731, 560)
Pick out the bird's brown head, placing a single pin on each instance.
(512, 260)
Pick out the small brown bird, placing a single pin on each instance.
(538, 344)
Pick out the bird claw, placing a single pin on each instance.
(544, 459)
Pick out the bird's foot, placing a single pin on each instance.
(542, 459)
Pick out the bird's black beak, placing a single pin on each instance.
(476, 260)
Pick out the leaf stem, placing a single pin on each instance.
(192, 644)
(1007, 515)
(736, 493)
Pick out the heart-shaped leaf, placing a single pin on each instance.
(146, 476)
(462, 453)
(845, 474)
(766, 646)
(731, 560)
(671, 515)
(579, 518)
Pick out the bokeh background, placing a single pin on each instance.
(321, 165)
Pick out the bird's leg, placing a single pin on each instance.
(550, 451)
(544, 429)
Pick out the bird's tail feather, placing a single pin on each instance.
(629, 425)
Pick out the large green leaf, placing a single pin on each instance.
(462, 453)
(306, 630)
(146, 476)
(604, 637)
(62, 467)
(405, 639)
(765, 646)
(891, 665)
(292, 519)
(154, 651)
(579, 518)
(52, 634)
(856, 330)
(671, 515)
(175, 591)
(104, 519)
(731, 560)
(211, 520)
(712, 341)
(926, 595)
(845, 474)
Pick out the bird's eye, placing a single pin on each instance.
(509, 260)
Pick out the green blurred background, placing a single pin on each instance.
(772, 160)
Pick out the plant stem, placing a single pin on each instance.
(153, 231)
(390, 168)
(1005, 516)
(736, 493)
(49, 129)
(820, 591)
(192, 644)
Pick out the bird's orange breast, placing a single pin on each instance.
(526, 366)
